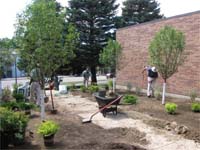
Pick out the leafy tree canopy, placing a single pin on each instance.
(43, 38)
(110, 54)
(166, 51)
(6, 57)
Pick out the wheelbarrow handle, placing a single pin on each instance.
(106, 106)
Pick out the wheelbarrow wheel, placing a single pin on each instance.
(104, 113)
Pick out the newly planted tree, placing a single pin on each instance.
(166, 53)
(43, 38)
(110, 55)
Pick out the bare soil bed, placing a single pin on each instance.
(74, 135)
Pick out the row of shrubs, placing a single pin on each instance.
(171, 107)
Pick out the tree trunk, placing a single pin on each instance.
(93, 72)
(164, 90)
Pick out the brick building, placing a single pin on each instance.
(135, 41)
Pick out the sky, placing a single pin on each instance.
(10, 8)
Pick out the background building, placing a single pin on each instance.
(135, 41)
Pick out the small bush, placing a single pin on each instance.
(110, 84)
(83, 89)
(130, 99)
(93, 88)
(19, 97)
(48, 128)
(6, 95)
(72, 87)
(195, 107)
(170, 108)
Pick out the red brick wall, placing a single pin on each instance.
(135, 41)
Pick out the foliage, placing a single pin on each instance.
(130, 99)
(129, 86)
(43, 38)
(170, 108)
(18, 105)
(13, 124)
(6, 57)
(48, 128)
(110, 54)
(193, 95)
(110, 84)
(13, 105)
(139, 11)
(18, 96)
(6, 95)
(195, 107)
(94, 21)
(93, 88)
(166, 51)
(83, 89)
(27, 106)
(72, 87)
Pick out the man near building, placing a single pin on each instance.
(152, 75)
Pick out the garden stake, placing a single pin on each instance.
(90, 119)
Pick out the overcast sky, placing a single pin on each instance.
(9, 9)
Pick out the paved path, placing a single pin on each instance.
(158, 139)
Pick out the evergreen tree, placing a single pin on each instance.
(139, 11)
(94, 21)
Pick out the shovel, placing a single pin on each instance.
(90, 119)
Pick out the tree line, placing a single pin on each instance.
(74, 37)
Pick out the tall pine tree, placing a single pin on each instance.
(139, 11)
(94, 21)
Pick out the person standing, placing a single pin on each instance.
(35, 86)
(86, 75)
(152, 75)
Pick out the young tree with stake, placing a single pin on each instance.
(166, 53)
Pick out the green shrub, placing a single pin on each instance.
(6, 95)
(72, 87)
(13, 124)
(26, 105)
(83, 89)
(10, 105)
(48, 128)
(93, 88)
(110, 84)
(170, 108)
(195, 106)
(20, 106)
(130, 99)
(18, 96)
